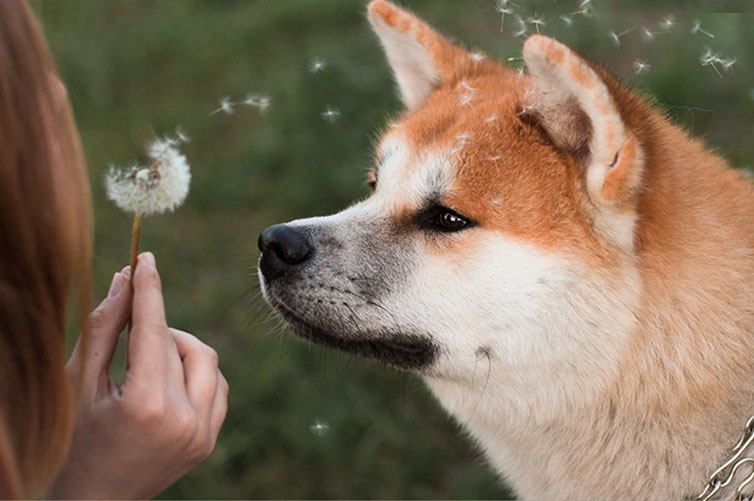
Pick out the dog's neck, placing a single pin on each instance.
(607, 446)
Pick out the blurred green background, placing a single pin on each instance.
(135, 68)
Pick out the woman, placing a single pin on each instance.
(69, 430)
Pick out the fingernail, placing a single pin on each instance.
(116, 285)
(126, 271)
(147, 258)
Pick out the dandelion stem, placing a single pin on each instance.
(135, 234)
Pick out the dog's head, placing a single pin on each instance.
(500, 227)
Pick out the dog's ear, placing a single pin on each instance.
(575, 106)
(420, 57)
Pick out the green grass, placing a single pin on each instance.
(137, 66)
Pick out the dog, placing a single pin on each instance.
(571, 274)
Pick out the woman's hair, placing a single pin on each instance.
(45, 251)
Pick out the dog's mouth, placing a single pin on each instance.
(403, 351)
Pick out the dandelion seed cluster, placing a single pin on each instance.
(156, 188)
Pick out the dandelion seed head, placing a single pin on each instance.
(317, 64)
(615, 37)
(319, 428)
(567, 20)
(154, 189)
(695, 27)
(647, 35)
(330, 115)
(641, 67)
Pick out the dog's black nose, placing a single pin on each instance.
(282, 247)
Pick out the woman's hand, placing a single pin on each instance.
(136, 439)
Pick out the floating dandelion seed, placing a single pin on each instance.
(491, 118)
(181, 135)
(708, 58)
(502, 7)
(567, 20)
(330, 115)
(585, 9)
(477, 56)
(727, 64)
(319, 428)
(668, 23)
(522, 27)
(468, 94)
(528, 101)
(641, 66)
(647, 35)
(537, 21)
(317, 64)
(617, 36)
(225, 106)
(697, 28)
(262, 103)
(462, 140)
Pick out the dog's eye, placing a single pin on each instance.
(451, 221)
(443, 219)
(371, 181)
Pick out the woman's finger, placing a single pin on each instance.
(105, 323)
(200, 370)
(220, 406)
